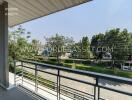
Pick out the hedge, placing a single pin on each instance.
(68, 61)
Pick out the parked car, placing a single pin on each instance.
(127, 66)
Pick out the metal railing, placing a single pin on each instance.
(65, 90)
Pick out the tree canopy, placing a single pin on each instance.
(119, 41)
(59, 45)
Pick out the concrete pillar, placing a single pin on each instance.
(4, 68)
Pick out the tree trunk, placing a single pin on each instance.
(58, 61)
(113, 64)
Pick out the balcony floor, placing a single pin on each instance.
(14, 94)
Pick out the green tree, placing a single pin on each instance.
(18, 41)
(76, 50)
(35, 46)
(58, 43)
(118, 41)
(85, 48)
(97, 41)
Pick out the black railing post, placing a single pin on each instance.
(36, 78)
(58, 85)
(97, 85)
(94, 92)
(98, 93)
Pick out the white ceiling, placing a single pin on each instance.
(21, 11)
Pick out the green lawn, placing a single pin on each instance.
(93, 68)
(100, 69)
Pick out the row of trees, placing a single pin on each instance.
(117, 42)
(61, 45)
(19, 45)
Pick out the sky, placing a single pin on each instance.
(87, 19)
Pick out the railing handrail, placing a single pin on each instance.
(82, 72)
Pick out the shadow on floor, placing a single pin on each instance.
(14, 94)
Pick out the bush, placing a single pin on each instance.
(106, 71)
(124, 74)
(88, 62)
(104, 63)
(68, 61)
(95, 69)
(67, 65)
(11, 64)
(52, 60)
(39, 58)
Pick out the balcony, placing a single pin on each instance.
(60, 83)
(38, 81)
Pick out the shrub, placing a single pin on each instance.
(68, 61)
(124, 74)
(88, 62)
(104, 63)
(11, 64)
(67, 65)
(40, 58)
(95, 69)
(52, 60)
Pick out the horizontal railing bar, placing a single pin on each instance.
(81, 72)
(24, 75)
(18, 65)
(34, 84)
(62, 89)
(54, 82)
(69, 92)
(46, 91)
(40, 70)
(20, 74)
(76, 90)
(75, 93)
(46, 72)
(39, 88)
(74, 97)
(47, 87)
(28, 67)
(17, 80)
(45, 82)
(69, 88)
(116, 90)
(18, 77)
(28, 82)
(85, 82)
(56, 75)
